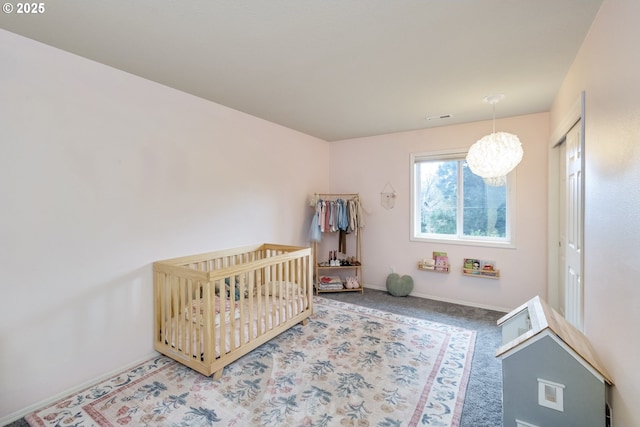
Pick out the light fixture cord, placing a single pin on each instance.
(494, 117)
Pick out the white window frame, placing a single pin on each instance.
(544, 386)
(509, 241)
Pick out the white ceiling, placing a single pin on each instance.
(334, 69)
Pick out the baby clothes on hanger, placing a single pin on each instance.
(336, 215)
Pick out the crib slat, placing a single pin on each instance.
(222, 338)
(232, 313)
(253, 289)
(298, 290)
(269, 300)
(243, 287)
(191, 305)
(158, 280)
(174, 311)
(209, 326)
(180, 315)
(288, 307)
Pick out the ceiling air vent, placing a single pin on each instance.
(443, 116)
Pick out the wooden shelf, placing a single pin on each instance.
(320, 291)
(337, 267)
(356, 270)
(433, 270)
(485, 274)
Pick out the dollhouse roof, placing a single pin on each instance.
(545, 319)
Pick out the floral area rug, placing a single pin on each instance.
(350, 365)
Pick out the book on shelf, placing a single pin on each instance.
(471, 264)
(441, 261)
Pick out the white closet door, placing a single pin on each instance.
(573, 232)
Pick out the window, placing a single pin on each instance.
(551, 394)
(449, 202)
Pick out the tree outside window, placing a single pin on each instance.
(452, 203)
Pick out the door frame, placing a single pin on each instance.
(574, 115)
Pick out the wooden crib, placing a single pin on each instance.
(213, 308)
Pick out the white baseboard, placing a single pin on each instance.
(48, 401)
(452, 301)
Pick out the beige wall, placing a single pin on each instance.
(102, 173)
(365, 165)
(607, 68)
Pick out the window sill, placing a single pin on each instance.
(464, 242)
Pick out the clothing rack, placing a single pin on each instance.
(352, 269)
(337, 195)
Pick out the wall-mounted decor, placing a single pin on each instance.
(388, 196)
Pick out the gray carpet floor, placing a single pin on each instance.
(483, 400)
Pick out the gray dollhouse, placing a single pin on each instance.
(551, 376)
